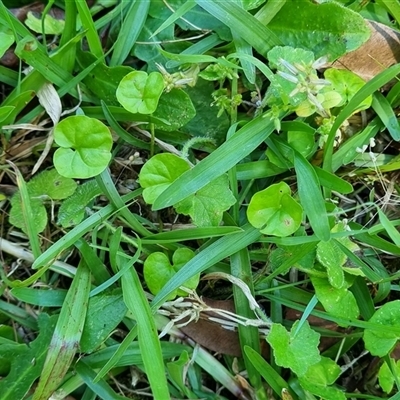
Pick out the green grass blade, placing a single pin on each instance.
(389, 228)
(66, 337)
(385, 112)
(88, 24)
(27, 213)
(76, 233)
(248, 336)
(217, 251)
(107, 185)
(242, 143)
(69, 33)
(180, 12)
(311, 197)
(373, 85)
(273, 379)
(149, 343)
(130, 30)
(235, 17)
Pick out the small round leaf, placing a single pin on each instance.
(85, 145)
(157, 271)
(139, 92)
(158, 173)
(274, 211)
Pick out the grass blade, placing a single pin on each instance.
(149, 343)
(130, 30)
(242, 143)
(311, 197)
(67, 334)
(239, 20)
(384, 110)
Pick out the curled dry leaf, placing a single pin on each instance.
(380, 52)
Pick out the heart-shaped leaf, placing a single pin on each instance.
(274, 211)
(158, 173)
(139, 92)
(158, 271)
(85, 145)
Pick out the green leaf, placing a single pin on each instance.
(206, 206)
(103, 81)
(139, 92)
(51, 184)
(175, 107)
(337, 302)
(320, 376)
(347, 84)
(23, 372)
(242, 143)
(48, 185)
(330, 255)
(6, 40)
(311, 197)
(274, 211)
(85, 145)
(385, 376)
(324, 28)
(52, 26)
(158, 173)
(380, 343)
(105, 312)
(72, 210)
(297, 352)
(158, 271)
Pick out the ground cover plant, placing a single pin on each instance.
(199, 199)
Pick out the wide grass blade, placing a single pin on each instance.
(130, 30)
(149, 343)
(385, 112)
(235, 17)
(242, 143)
(67, 334)
(373, 85)
(311, 197)
(217, 251)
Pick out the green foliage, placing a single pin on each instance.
(339, 302)
(385, 375)
(85, 145)
(325, 29)
(220, 109)
(158, 173)
(319, 378)
(6, 40)
(381, 342)
(52, 26)
(158, 271)
(105, 312)
(23, 373)
(274, 211)
(297, 349)
(346, 84)
(139, 92)
(333, 258)
(43, 188)
(72, 210)
(205, 207)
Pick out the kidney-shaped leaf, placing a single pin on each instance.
(139, 92)
(85, 145)
(158, 271)
(380, 342)
(274, 211)
(158, 173)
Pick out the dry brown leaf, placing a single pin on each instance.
(380, 52)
